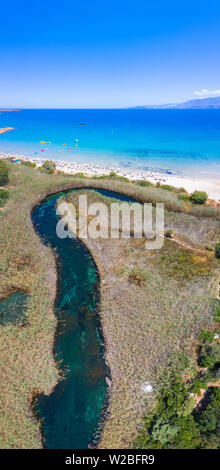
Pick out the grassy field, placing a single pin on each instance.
(153, 304)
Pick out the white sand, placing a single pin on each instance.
(210, 186)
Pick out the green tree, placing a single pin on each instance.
(188, 436)
(199, 197)
(163, 432)
(209, 355)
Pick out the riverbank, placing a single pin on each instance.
(210, 186)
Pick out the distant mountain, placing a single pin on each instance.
(204, 103)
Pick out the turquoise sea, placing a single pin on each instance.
(175, 141)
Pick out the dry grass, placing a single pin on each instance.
(143, 323)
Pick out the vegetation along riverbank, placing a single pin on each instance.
(154, 307)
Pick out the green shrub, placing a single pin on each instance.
(143, 183)
(49, 165)
(206, 337)
(199, 197)
(4, 195)
(196, 386)
(181, 190)
(208, 419)
(168, 187)
(163, 432)
(216, 309)
(211, 375)
(183, 197)
(29, 164)
(3, 174)
(209, 355)
(217, 250)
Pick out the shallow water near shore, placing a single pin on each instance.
(71, 413)
(184, 141)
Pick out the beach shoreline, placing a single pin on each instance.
(190, 184)
(4, 130)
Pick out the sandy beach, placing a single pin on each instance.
(210, 186)
(3, 130)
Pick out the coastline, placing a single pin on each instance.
(3, 130)
(190, 184)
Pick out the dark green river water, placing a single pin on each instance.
(71, 414)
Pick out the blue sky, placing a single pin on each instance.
(85, 54)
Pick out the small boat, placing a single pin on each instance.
(76, 140)
(82, 123)
(43, 142)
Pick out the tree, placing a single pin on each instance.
(3, 173)
(187, 406)
(188, 436)
(199, 197)
(163, 432)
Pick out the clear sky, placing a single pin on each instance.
(101, 53)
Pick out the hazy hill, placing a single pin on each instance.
(204, 103)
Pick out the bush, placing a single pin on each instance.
(29, 164)
(49, 165)
(199, 197)
(168, 187)
(196, 386)
(216, 309)
(206, 337)
(114, 176)
(3, 174)
(183, 197)
(163, 432)
(79, 175)
(211, 375)
(3, 196)
(217, 250)
(208, 419)
(143, 183)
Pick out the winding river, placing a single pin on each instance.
(71, 414)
